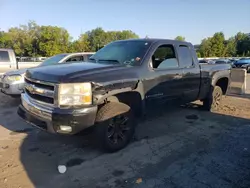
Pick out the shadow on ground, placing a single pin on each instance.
(7, 101)
(173, 147)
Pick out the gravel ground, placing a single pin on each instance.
(173, 147)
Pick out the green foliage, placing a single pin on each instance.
(53, 40)
(198, 54)
(238, 45)
(181, 38)
(217, 44)
(243, 44)
(34, 40)
(98, 38)
(206, 48)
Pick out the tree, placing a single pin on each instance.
(230, 47)
(205, 48)
(217, 44)
(181, 38)
(98, 37)
(3, 39)
(80, 45)
(53, 40)
(243, 44)
(198, 54)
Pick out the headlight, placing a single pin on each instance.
(75, 94)
(14, 78)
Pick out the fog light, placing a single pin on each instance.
(65, 128)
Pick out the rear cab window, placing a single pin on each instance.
(4, 56)
(185, 56)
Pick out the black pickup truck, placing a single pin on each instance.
(119, 84)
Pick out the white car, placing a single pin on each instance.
(12, 82)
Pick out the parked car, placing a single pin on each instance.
(223, 61)
(206, 61)
(7, 60)
(12, 82)
(243, 63)
(121, 82)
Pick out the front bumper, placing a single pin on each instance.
(51, 119)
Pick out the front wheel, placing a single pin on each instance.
(115, 126)
(213, 100)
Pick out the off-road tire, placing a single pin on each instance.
(105, 117)
(213, 100)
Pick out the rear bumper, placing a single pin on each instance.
(52, 119)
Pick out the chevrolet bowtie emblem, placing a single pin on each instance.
(30, 88)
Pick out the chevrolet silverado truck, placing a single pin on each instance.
(118, 84)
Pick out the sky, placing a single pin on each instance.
(193, 19)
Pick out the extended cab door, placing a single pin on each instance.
(191, 72)
(165, 76)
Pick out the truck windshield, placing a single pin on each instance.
(53, 60)
(122, 52)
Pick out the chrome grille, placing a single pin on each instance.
(42, 92)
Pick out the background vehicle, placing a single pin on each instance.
(12, 82)
(243, 63)
(206, 61)
(121, 81)
(223, 61)
(7, 60)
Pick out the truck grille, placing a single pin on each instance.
(40, 91)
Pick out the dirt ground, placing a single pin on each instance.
(172, 148)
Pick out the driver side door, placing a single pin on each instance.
(165, 83)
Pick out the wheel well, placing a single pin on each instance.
(223, 84)
(131, 98)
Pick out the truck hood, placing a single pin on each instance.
(80, 72)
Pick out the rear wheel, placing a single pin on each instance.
(115, 126)
(213, 101)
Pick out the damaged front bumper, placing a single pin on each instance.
(56, 120)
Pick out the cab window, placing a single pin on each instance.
(185, 57)
(164, 58)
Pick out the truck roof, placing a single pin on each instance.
(153, 40)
